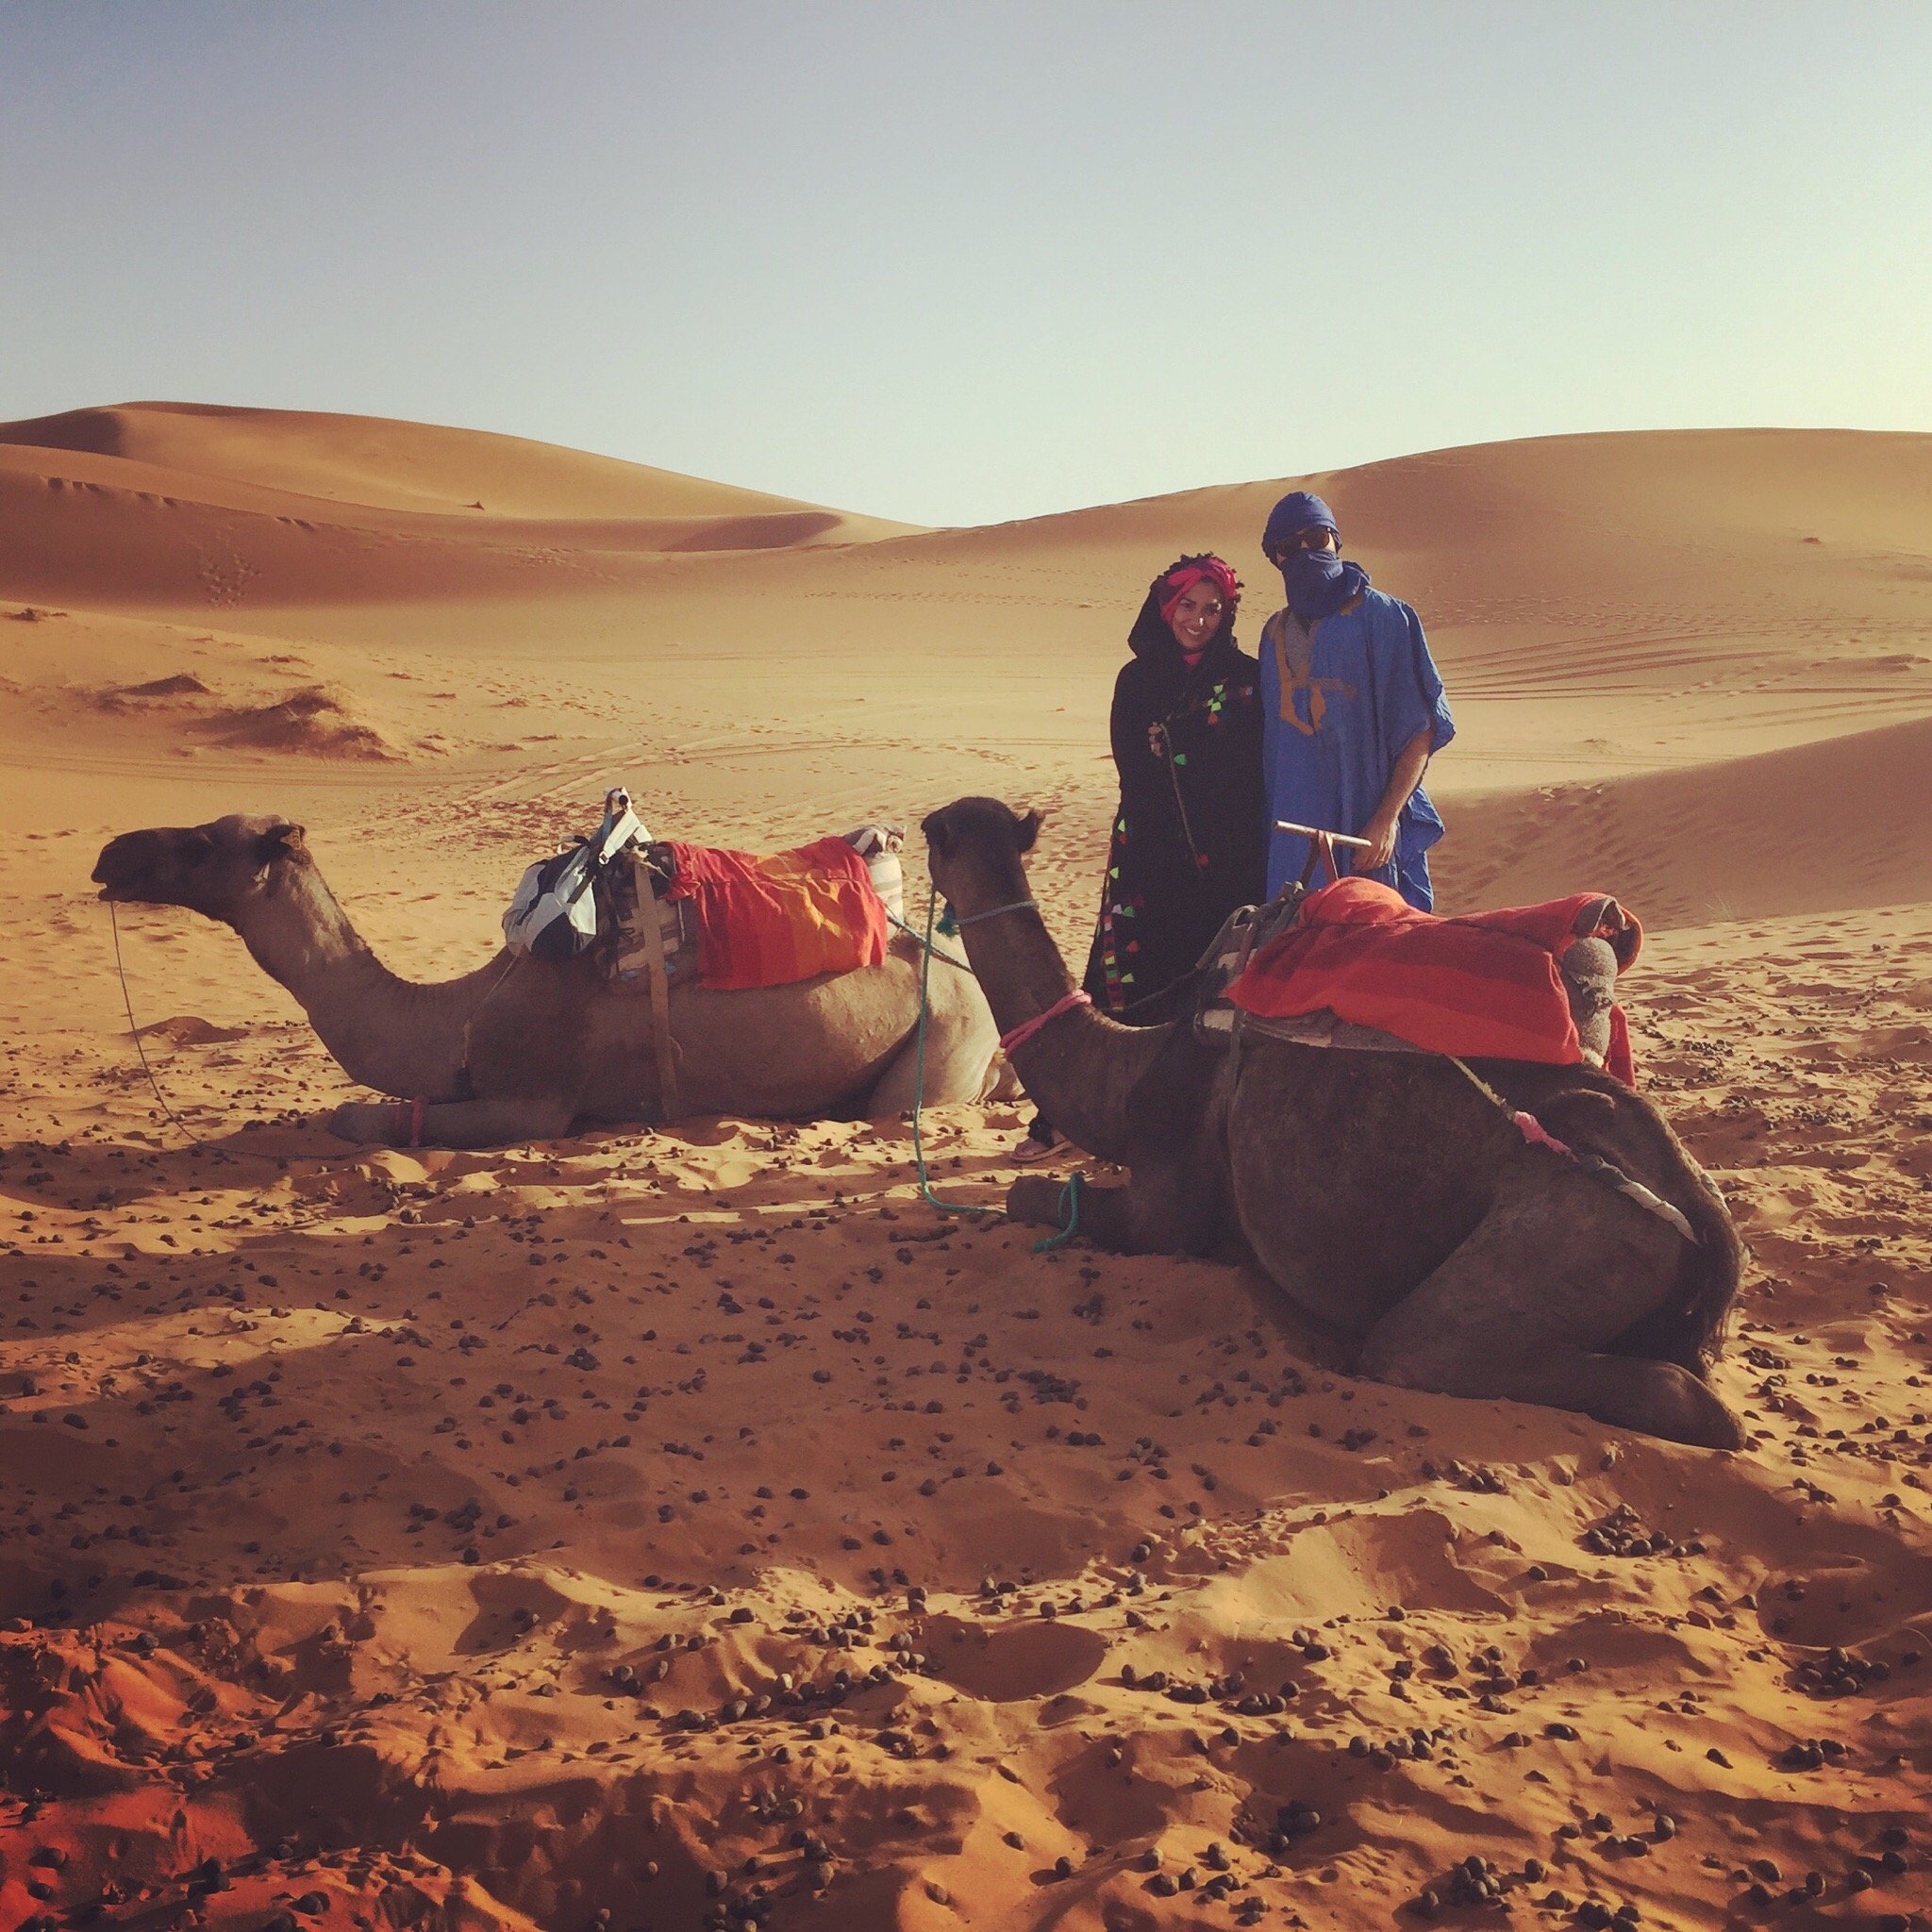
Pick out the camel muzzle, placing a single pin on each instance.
(124, 868)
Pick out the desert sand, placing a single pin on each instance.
(662, 1528)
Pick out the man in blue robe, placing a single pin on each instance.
(1352, 711)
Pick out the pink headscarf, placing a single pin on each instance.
(1177, 583)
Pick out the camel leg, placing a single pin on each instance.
(495, 1123)
(958, 1054)
(1525, 1306)
(898, 1086)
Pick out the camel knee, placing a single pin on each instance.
(1414, 1362)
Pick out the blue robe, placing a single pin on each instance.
(1372, 686)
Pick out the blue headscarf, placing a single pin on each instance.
(1300, 510)
(1319, 582)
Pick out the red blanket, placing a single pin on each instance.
(1486, 986)
(771, 920)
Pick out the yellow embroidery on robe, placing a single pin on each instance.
(1295, 678)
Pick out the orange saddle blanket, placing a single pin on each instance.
(1489, 985)
(773, 920)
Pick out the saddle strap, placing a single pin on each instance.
(1537, 1135)
(657, 978)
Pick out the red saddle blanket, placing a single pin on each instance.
(1487, 986)
(769, 921)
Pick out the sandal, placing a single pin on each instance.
(1033, 1149)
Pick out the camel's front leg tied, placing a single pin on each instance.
(1068, 1211)
(497, 1122)
(1131, 1219)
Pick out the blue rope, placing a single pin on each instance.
(926, 1191)
(1069, 1207)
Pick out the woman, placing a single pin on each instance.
(1189, 839)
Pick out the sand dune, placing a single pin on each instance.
(1813, 828)
(685, 1528)
(379, 464)
(166, 505)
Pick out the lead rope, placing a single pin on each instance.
(161, 1099)
(1070, 1194)
(1069, 1206)
(925, 1192)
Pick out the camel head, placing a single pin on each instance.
(974, 848)
(216, 869)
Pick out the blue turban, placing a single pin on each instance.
(1300, 510)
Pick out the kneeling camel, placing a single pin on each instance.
(1382, 1191)
(522, 1048)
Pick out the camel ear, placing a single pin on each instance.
(283, 841)
(939, 837)
(1027, 830)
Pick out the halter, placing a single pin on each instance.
(1012, 1042)
(994, 912)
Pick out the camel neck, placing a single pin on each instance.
(1078, 1067)
(383, 1031)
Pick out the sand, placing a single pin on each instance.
(656, 1528)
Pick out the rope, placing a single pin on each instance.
(160, 1098)
(1070, 1194)
(1537, 1135)
(1012, 1042)
(1069, 1206)
(925, 1192)
(1180, 803)
(938, 951)
(992, 913)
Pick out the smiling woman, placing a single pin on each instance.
(1186, 842)
(1188, 838)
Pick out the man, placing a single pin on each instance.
(1352, 711)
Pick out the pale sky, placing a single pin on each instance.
(959, 263)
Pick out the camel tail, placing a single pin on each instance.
(1690, 1327)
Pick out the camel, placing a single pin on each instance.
(1383, 1193)
(504, 1055)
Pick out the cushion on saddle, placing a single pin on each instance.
(1487, 986)
(773, 920)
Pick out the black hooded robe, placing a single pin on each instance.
(1189, 837)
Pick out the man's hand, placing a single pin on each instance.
(1380, 833)
(1410, 763)
(1156, 739)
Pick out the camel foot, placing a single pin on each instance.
(1659, 1399)
(1678, 1408)
(1649, 1398)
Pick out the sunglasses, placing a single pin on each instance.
(1315, 538)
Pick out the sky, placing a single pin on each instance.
(963, 263)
